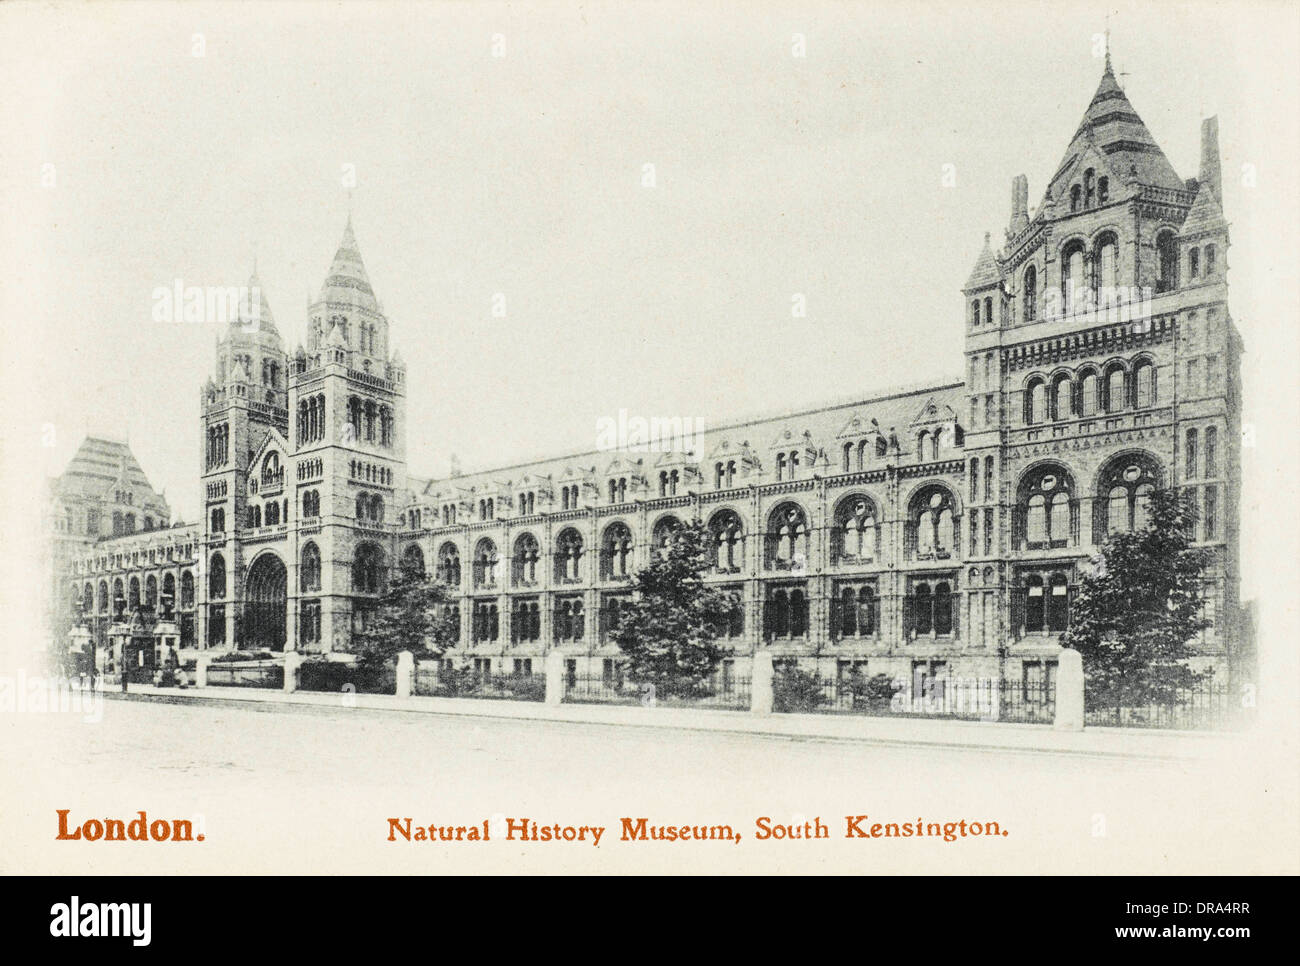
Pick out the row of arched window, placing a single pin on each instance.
(1092, 192)
(855, 457)
(1194, 267)
(310, 469)
(370, 421)
(127, 595)
(1090, 274)
(1090, 390)
(370, 507)
(370, 472)
(311, 419)
(271, 516)
(218, 445)
(569, 496)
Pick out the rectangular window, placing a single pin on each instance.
(988, 533)
(1211, 454)
(988, 411)
(1211, 512)
(974, 479)
(1193, 377)
(523, 665)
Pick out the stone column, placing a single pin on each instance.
(1069, 691)
(201, 670)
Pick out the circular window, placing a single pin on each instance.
(1132, 473)
(936, 500)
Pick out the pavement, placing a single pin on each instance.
(989, 736)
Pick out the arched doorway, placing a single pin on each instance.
(265, 604)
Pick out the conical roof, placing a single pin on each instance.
(986, 270)
(1114, 127)
(347, 281)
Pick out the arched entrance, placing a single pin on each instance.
(265, 604)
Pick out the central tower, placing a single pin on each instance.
(348, 426)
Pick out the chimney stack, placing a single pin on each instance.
(1019, 203)
(1210, 171)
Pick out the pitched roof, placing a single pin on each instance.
(1206, 213)
(893, 413)
(97, 465)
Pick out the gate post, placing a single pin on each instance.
(405, 670)
(292, 661)
(1069, 691)
(760, 683)
(201, 671)
(555, 677)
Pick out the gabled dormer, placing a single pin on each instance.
(732, 464)
(794, 454)
(935, 432)
(676, 473)
(861, 444)
(625, 480)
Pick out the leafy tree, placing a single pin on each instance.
(408, 617)
(669, 633)
(1135, 616)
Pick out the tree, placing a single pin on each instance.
(408, 617)
(1135, 616)
(669, 633)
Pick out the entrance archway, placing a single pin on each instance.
(265, 604)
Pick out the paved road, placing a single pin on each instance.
(311, 789)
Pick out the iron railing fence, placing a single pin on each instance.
(975, 699)
(1208, 705)
(226, 674)
(729, 693)
(467, 683)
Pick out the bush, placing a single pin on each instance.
(875, 693)
(795, 691)
(337, 676)
(526, 687)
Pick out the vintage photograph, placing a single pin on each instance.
(832, 438)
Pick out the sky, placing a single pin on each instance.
(501, 150)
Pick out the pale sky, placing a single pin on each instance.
(522, 175)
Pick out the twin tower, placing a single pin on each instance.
(303, 456)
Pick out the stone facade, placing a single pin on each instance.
(932, 531)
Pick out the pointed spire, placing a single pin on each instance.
(985, 272)
(347, 280)
(1112, 130)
